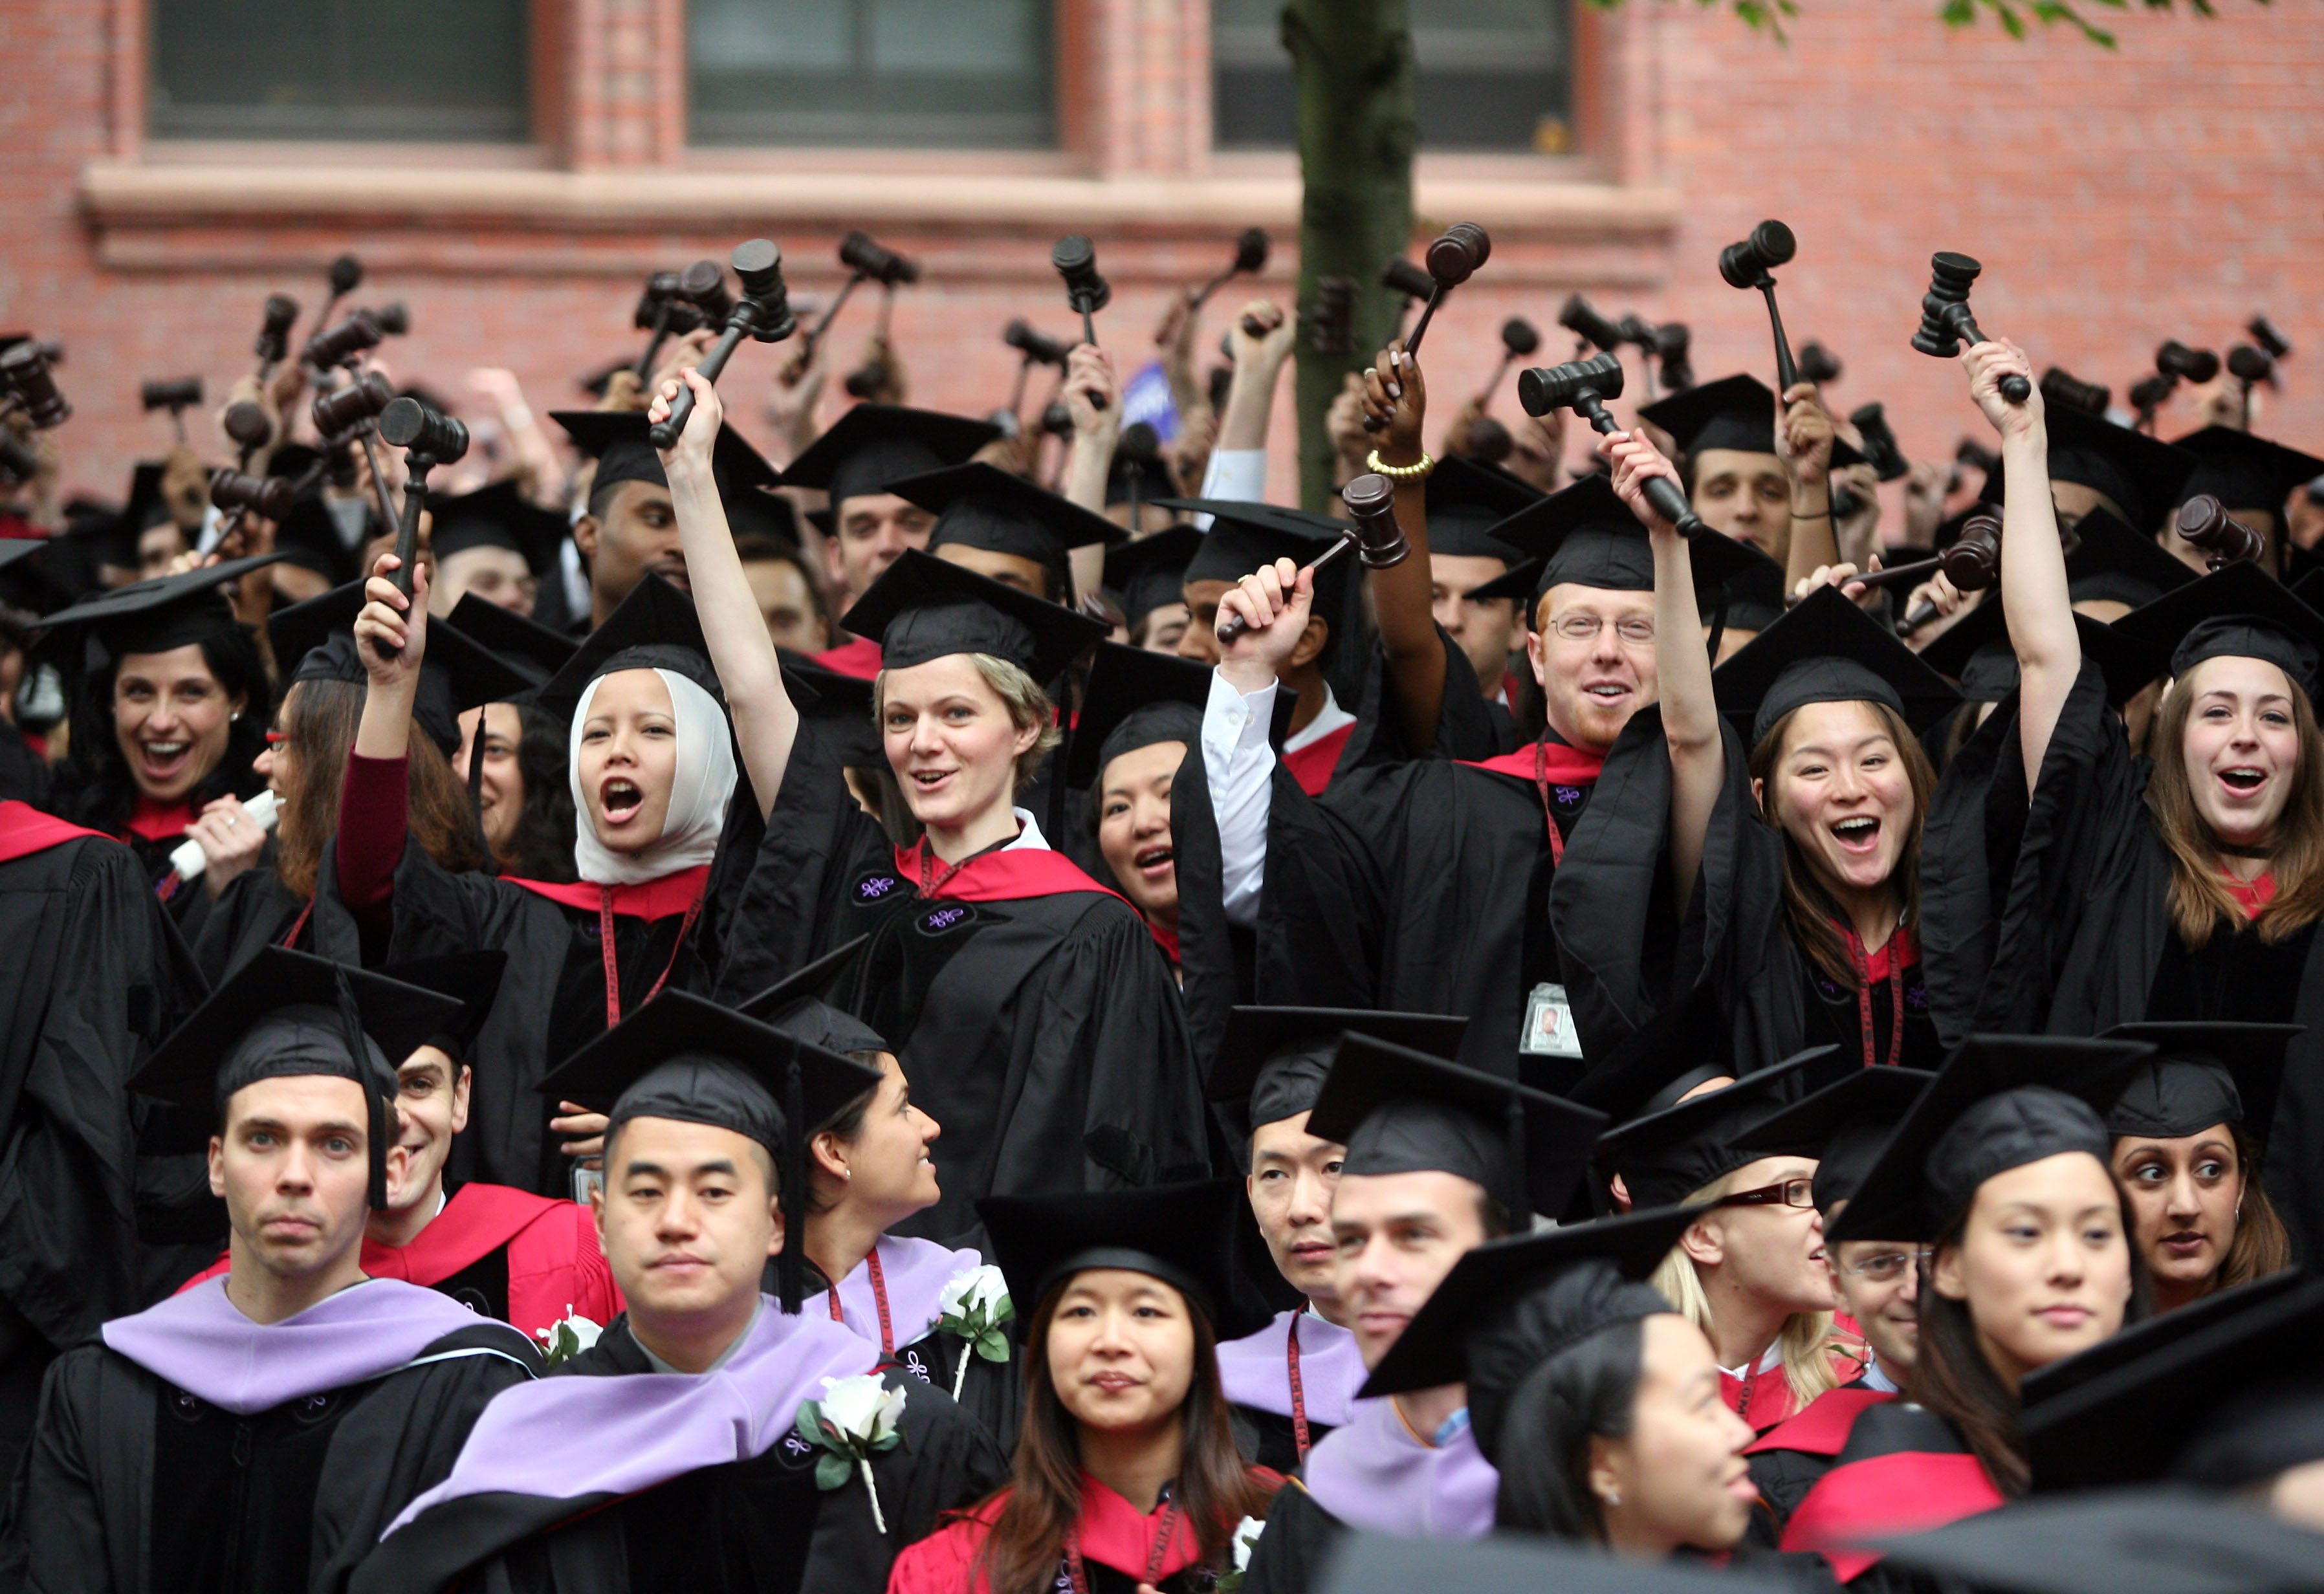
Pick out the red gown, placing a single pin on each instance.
(1116, 1540)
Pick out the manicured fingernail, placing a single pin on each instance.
(1396, 390)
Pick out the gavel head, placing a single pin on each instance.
(1949, 276)
(1673, 340)
(2064, 390)
(1520, 336)
(337, 413)
(1578, 316)
(1036, 346)
(1818, 364)
(274, 329)
(1973, 563)
(271, 496)
(1401, 276)
(179, 393)
(2147, 395)
(1457, 252)
(1251, 252)
(2248, 364)
(247, 425)
(336, 345)
(703, 285)
(2204, 522)
(1331, 323)
(1545, 388)
(1075, 258)
(1880, 441)
(1637, 332)
(2264, 333)
(2176, 359)
(410, 425)
(346, 274)
(392, 318)
(26, 368)
(759, 266)
(1770, 245)
(654, 303)
(867, 381)
(1489, 440)
(1056, 420)
(858, 253)
(1370, 502)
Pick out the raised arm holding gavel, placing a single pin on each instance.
(1395, 403)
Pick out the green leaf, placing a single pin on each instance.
(832, 1471)
(810, 1421)
(993, 1345)
(1008, 1312)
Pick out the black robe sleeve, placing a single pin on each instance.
(79, 1505)
(1295, 1553)
(255, 910)
(1324, 911)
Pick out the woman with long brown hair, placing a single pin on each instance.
(1126, 1471)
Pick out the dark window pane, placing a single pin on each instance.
(956, 73)
(433, 69)
(1493, 75)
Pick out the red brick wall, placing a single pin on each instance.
(2167, 189)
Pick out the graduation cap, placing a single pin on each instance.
(1274, 1059)
(683, 1057)
(1585, 534)
(2111, 561)
(796, 1006)
(472, 979)
(981, 505)
(1182, 1234)
(1737, 413)
(654, 628)
(287, 1014)
(2149, 1541)
(1466, 500)
(164, 612)
(316, 639)
(2243, 472)
(1511, 1305)
(1136, 478)
(1999, 1102)
(617, 440)
(1379, 1563)
(1684, 1045)
(1398, 1110)
(525, 645)
(2122, 1411)
(1134, 698)
(2239, 610)
(924, 608)
(2202, 1074)
(1665, 1156)
(1826, 650)
(874, 445)
(2139, 476)
(498, 515)
(1151, 571)
(1243, 537)
(1752, 599)
(1976, 653)
(12, 549)
(1843, 1126)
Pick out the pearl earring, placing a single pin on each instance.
(847, 1173)
(1612, 1497)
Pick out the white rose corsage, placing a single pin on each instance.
(973, 1307)
(1245, 1540)
(567, 1338)
(855, 1420)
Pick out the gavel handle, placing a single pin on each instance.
(2014, 388)
(822, 323)
(645, 367)
(1499, 372)
(1089, 336)
(1411, 343)
(1787, 370)
(1921, 613)
(1235, 625)
(1663, 494)
(384, 504)
(1910, 575)
(664, 435)
(1202, 294)
(407, 535)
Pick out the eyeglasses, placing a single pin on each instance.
(1888, 1267)
(1633, 629)
(1791, 1193)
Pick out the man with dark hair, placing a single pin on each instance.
(786, 591)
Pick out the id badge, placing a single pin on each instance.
(1549, 1025)
(584, 1181)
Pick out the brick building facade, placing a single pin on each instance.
(2170, 189)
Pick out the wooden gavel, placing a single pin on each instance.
(1748, 264)
(1376, 537)
(763, 312)
(2204, 522)
(429, 439)
(1583, 386)
(1451, 260)
(1972, 563)
(1946, 322)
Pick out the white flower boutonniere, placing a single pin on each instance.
(973, 1306)
(855, 1420)
(567, 1338)
(1245, 1540)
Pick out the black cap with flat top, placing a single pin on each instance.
(1584, 535)
(654, 628)
(1666, 1157)
(155, 616)
(924, 608)
(617, 440)
(1826, 650)
(1843, 1126)
(1182, 1234)
(1275, 1059)
(527, 647)
(2202, 1076)
(1976, 652)
(980, 505)
(315, 641)
(1735, 412)
(2149, 1541)
(1465, 501)
(1134, 698)
(2239, 612)
(795, 1006)
(1150, 572)
(2244, 471)
(497, 515)
(874, 445)
(2110, 561)
(2138, 476)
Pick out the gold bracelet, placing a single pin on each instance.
(1399, 473)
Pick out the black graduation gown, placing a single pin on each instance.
(760, 1526)
(23, 777)
(1628, 957)
(1295, 1553)
(1027, 1025)
(1789, 1459)
(1904, 1469)
(135, 1486)
(254, 911)
(2063, 910)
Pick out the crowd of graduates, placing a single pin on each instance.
(963, 1005)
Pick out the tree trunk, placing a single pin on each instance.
(1357, 131)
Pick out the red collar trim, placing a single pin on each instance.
(1113, 1532)
(1313, 765)
(1901, 951)
(24, 830)
(1012, 874)
(1903, 1492)
(1567, 766)
(2251, 896)
(157, 821)
(860, 659)
(662, 898)
(477, 1221)
(1822, 1429)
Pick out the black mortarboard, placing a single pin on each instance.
(1976, 653)
(315, 641)
(1151, 571)
(981, 505)
(654, 628)
(2121, 1411)
(526, 646)
(874, 445)
(12, 549)
(1242, 536)
(1134, 699)
(2148, 1541)
(1735, 412)
(1379, 1563)
(1134, 477)
(1666, 1157)
(796, 1006)
(2243, 472)
(1826, 650)
(1681, 1046)
(2239, 611)
(2109, 559)
(617, 440)
(683, 1057)
(1511, 1305)
(1753, 597)
(286, 1014)
(1999, 1102)
(1843, 1126)
(472, 979)
(1466, 501)
(497, 515)
(2141, 475)
(1402, 1111)
(164, 612)
(2202, 1074)
(923, 608)
(1182, 1234)
(1274, 1059)
(1585, 534)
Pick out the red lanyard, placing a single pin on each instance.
(1541, 784)
(879, 1299)
(1863, 962)
(1298, 1391)
(1161, 1547)
(613, 970)
(297, 925)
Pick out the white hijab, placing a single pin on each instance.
(699, 791)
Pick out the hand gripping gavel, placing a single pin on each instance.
(1945, 320)
(763, 312)
(2204, 522)
(1250, 260)
(428, 437)
(866, 262)
(1747, 264)
(24, 369)
(1519, 339)
(273, 344)
(1583, 386)
(1453, 258)
(175, 394)
(1972, 563)
(1376, 537)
